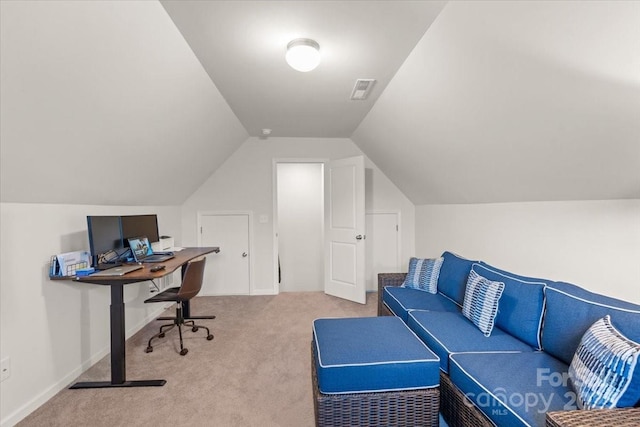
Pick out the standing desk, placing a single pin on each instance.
(118, 368)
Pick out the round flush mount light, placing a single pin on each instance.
(303, 54)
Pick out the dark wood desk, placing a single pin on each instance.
(118, 368)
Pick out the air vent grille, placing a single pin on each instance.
(362, 89)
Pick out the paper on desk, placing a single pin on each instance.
(71, 261)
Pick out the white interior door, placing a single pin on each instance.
(382, 246)
(345, 229)
(227, 272)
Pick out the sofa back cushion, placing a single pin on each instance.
(572, 310)
(521, 306)
(454, 273)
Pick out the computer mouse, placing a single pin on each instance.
(157, 268)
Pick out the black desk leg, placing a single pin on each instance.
(118, 362)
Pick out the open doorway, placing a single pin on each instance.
(299, 213)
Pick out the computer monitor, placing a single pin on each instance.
(140, 225)
(105, 234)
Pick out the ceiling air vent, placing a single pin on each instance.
(362, 88)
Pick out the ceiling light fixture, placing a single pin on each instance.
(303, 54)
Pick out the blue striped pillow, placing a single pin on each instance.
(423, 274)
(481, 299)
(604, 371)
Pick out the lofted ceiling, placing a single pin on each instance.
(242, 45)
(476, 101)
(515, 101)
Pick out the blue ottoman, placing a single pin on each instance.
(373, 371)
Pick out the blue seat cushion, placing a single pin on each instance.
(447, 332)
(371, 354)
(402, 300)
(452, 280)
(514, 389)
(521, 306)
(572, 310)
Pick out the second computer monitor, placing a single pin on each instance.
(140, 225)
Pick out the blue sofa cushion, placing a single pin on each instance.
(481, 301)
(521, 306)
(371, 354)
(453, 276)
(402, 300)
(604, 371)
(513, 389)
(447, 332)
(423, 274)
(572, 310)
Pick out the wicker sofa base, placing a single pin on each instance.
(457, 410)
(623, 417)
(412, 408)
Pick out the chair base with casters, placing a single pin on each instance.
(178, 321)
(191, 285)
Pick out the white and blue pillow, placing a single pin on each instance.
(604, 372)
(481, 301)
(423, 274)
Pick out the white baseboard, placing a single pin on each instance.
(20, 413)
(263, 292)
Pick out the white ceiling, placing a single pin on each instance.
(104, 103)
(515, 101)
(476, 102)
(242, 45)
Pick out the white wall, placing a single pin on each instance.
(300, 199)
(245, 182)
(54, 330)
(593, 244)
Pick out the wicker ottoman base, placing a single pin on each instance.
(399, 408)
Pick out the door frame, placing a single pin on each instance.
(249, 215)
(274, 204)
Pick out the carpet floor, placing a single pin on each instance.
(256, 371)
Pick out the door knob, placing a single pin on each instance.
(244, 254)
(359, 237)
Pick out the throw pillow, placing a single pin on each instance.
(604, 372)
(423, 274)
(481, 299)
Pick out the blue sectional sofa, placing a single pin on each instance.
(517, 376)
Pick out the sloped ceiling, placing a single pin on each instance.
(497, 102)
(242, 45)
(515, 101)
(105, 103)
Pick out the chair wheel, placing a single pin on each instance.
(194, 329)
(209, 337)
(161, 335)
(148, 349)
(184, 351)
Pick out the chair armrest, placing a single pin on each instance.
(623, 417)
(387, 279)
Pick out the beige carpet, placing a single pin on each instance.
(256, 372)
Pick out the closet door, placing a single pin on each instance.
(227, 272)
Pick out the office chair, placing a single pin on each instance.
(191, 285)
